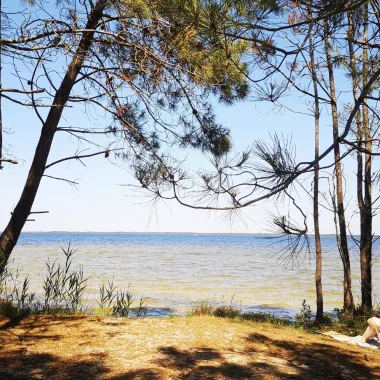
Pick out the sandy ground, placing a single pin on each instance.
(174, 348)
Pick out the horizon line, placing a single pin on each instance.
(169, 232)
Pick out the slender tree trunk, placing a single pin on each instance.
(9, 237)
(1, 85)
(361, 119)
(366, 212)
(364, 201)
(1, 120)
(348, 300)
(318, 245)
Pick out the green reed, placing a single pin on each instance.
(15, 299)
(118, 303)
(64, 290)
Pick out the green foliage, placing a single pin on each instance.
(122, 306)
(64, 291)
(351, 323)
(205, 308)
(304, 319)
(138, 8)
(354, 322)
(263, 317)
(196, 36)
(176, 53)
(233, 311)
(15, 299)
(278, 163)
(107, 296)
(357, 312)
(142, 309)
(227, 311)
(64, 288)
(119, 303)
(9, 310)
(327, 320)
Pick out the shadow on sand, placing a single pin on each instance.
(260, 358)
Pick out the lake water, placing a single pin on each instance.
(174, 271)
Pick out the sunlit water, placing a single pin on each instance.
(175, 271)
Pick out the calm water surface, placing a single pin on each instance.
(174, 271)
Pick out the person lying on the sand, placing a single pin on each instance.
(373, 330)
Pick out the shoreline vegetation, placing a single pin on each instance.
(65, 293)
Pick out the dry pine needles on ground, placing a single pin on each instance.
(72, 347)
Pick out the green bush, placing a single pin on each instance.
(9, 310)
(304, 319)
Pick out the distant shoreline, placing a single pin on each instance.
(167, 233)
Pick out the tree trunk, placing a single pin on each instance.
(318, 245)
(366, 212)
(1, 120)
(10, 235)
(348, 301)
(1, 85)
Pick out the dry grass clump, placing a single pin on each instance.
(73, 347)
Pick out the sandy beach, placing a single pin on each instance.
(82, 347)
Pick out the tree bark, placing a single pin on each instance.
(364, 200)
(10, 235)
(366, 212)
(348, 301)
(318, 245)
(1, 85)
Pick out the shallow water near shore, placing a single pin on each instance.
(176, 271)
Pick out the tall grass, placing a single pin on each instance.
(64, 290)
(15, 299)
(107, 296)
(118, 303)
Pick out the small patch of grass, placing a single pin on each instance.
(232, 311)
(225, 311)
(263, 317)
(205, 308)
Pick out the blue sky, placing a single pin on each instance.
(100, 204)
